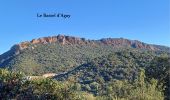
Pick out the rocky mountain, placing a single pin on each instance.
(106, 68)
(61, 53)
(69, 40)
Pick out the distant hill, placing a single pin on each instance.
(61, 53)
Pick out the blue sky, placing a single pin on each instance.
(144, 20)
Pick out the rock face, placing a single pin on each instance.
(69, 40)
(120, 42)
(60, 39)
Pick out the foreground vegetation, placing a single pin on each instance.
(16, 86)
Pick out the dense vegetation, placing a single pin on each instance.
(16, 86)
(125, 74)
(54, 57)
(123, 66)
(57, 58)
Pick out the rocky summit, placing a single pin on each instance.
(70, 40)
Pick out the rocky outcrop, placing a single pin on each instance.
(62, 39)
(69, 40)
(120, 42)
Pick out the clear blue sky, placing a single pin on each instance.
(144, 20)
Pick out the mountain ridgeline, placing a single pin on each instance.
(61, 53)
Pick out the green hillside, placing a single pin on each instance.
(106, 69)
(55, 57)
(61, 53)
(125, 65)
(122, 75)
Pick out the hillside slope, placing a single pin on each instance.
(125, 65)
(61, 53)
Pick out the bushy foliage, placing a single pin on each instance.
(96, 76)
(140, 89)
(9, 83)
(160, 69)
(16, 86)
